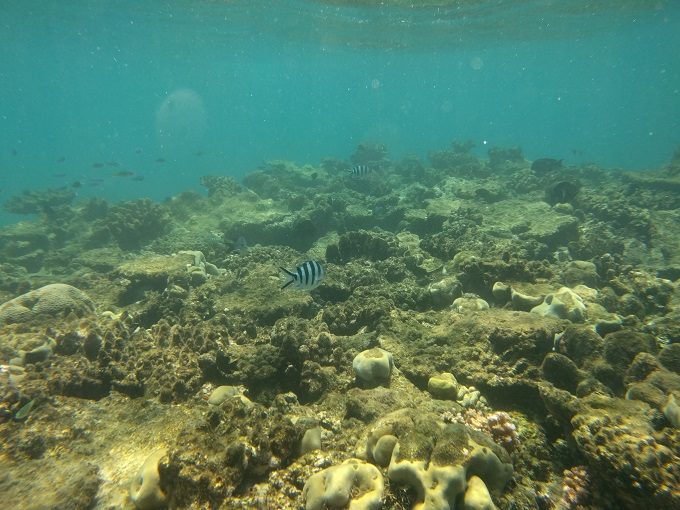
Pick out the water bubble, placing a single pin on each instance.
(476, 63)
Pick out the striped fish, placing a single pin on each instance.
(361, 170)
(306, 276)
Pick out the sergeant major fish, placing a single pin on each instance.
(241, 245)
(306, 276)
(360, 170)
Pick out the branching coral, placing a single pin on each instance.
(498, 425)
(575, 489)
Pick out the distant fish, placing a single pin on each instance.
(138, 151)
(58, 176)
(306, 276)
(137, 178)
(562, 192)
(77, 184)
(113, 163)
(160, 160)
(24, 411)
(123, 173)
(61, 159)
(361, 170)
(544, 165)
(241, 246)
(14, 152)
(97, 165)
(199, 154)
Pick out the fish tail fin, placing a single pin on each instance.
(290, 277)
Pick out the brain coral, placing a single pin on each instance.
(51, 300)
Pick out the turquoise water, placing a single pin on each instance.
(220, 87)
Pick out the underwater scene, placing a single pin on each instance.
(342, 254)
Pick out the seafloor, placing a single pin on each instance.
(488, 335)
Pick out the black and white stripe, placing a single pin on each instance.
(306, 276)
(360, 170)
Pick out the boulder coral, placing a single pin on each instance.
(54, 300)
(373, 367)
(354, 484)
(435, 460)
(145, 489)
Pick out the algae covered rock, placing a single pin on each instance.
(24, 245)
(669, 357)
(580, 272)
(311, 440)
(561, 371)
(222, 393)
(63, 483)
(156, 273)
(671, 410)
(522, 301)
(445, 291)
(621, 348)
(136, 223)
(237, 442)
(40, 353)
(354, 484)
(469, 304)
(373, 367)
(443, 386)
(535, 221)
(52, 300)
(618, 440)
(363, 244)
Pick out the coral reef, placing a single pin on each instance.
(488, 336)
(136, 223)
(34, 202)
